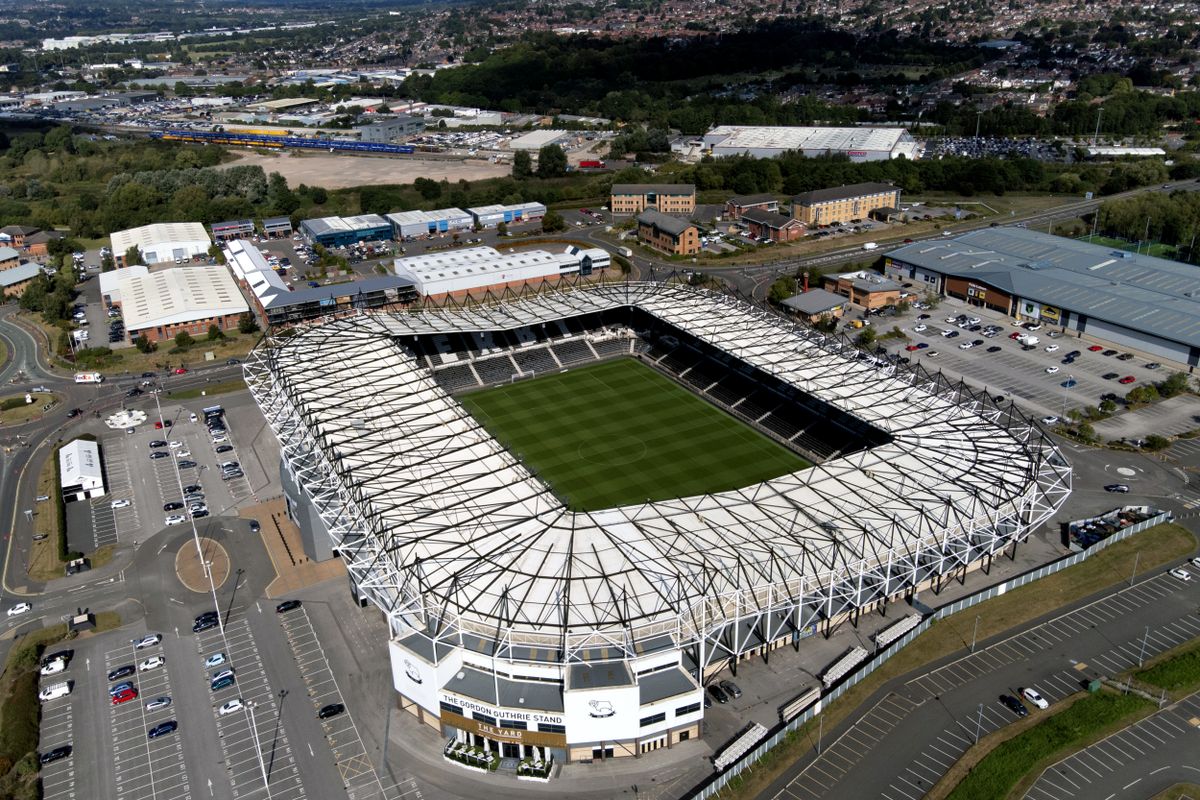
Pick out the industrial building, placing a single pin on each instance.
(388, 127)
(162, 242)
(668, 234)
(771, 226)
(864, 288)
(1147, 304)
(536, 140)
(234, 229)
(841, 204)
(491, 216)
(159, 305)
(411, 224)
(623, 614)
(81, 474)
(857, 144)
(669, 198)
(479, 271)
(343, 231)
(740, 204)
(277, 227)
(277, 302)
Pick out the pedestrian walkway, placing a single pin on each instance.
(293, 569)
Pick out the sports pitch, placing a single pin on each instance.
(619, 433)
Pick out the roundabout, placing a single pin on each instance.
(22, 407)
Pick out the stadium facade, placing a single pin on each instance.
(520, 625)
(769, 141)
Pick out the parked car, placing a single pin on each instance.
(158, 454)
(124, 696)
(1095, 348)
(153, 662)
(1119, 488)
(121, 672)
(185, 464)
(53, 667)
(1049, 420)
(718, 694)
(287, 605)
(174, 505)
(1182, 574)
(158, 703)
(123, 503)
(1051, 369)
(149, 640)
(1108, 376)
(1014, 704)
(162, 729)
(231, 706)
(1031, 694)
(331, 710)
(58, 753)
(732, 689)
(158, 443)
(1128, 379)
(174, 519)
(215, 660)
(203, 625)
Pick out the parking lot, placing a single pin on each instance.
(1039, 378)
(238, 742)
(145, 767)
(58, 725)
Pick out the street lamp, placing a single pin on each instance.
(262, 765)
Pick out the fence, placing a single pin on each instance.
(719, 781)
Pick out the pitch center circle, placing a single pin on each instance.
(613, 451)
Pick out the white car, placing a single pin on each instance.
(175, 519)
(920, 328)
(974, 320)
(1196, 561)
(1031, 694)
(183, 454)
(231, 706)
(1182, 574)
(174, 445)
(952, 320)
(947, 332)
(54, 667)
(965, 346)
(121, 503)
(157, 703)
(149, 640)
(215, 660)
(1049, 420)
(153, 662)
(1051, 370)
(19, 608)
(1051, 348)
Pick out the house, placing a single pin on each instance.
(668, 234)
(769, 225)
(740, 204)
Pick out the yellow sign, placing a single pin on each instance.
(496, 733)
(1051, 314)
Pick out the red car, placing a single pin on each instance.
(1014, 335)
(124, 696)
(180, 371)
(1095, 348)
(912, 347)
(1127, 379)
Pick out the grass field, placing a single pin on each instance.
(1154, 248)
(619, 433)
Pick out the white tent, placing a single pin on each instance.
(80, 473)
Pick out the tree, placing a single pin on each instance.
(428, 189)
(144, 345)
(133, 256)
(214, 333)
(216, 253)
(826, 323)
(107, 264)
(1156, 442)
(1108, 406)
(279, 197)
(1177, 383)
(782, 289)
(553, 221)
(522, 165)
(183, 339)
(247, 323)
(502, 229)
(552, 162)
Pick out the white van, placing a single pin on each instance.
(55, 691)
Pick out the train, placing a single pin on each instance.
(273, 140)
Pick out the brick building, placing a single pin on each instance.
(164, 303)
(867, 289)
(668, 198)
(843, 203)
(668, 234)
(740, 204)
(769, 225)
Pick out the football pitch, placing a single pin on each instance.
(619, 433)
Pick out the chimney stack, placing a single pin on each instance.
(806, 281)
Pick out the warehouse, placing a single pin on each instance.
(480, 270)
(234, 229)
(491, 216)
(162, 242)
(841, 204)
(410, 224)
(384, 128)
(857, 144)
(343, 231)
(536, 140)
(669, 198)
(1135, 301)
(80, 473)
(159, 305)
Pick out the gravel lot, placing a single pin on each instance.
(341, 171)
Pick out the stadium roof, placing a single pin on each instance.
(448, 526)
(1141, 292)
(842, 193)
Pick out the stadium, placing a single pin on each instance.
(577, 506)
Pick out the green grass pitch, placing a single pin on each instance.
(619, 433)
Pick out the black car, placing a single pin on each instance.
(192, 488)
(158, 443)
(201, 513)
(1108, 376)
(974, 328)
(254, 526)
(224, 448)
(977, 342)
(50, 756)
(159, 454)
(1154, 365)
(231, 361)
(121, 672)
(287, 605)
(1075, 354)
(204, 624)
(1118, 488)
(1016, 705)
(74, 412)
(134, 392)
(65, 655)
(952, 335)
(175, 506)
(147, 374)
(162, 729)
(994, 349)
(1110, 352)
(185, 464)
(718, 694)
(1125, 357)
(331, 710)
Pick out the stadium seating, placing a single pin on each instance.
(574, 351)
(456, 378)
(535, 359)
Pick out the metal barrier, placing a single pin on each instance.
(712, 785)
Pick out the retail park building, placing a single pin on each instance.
(1135, 301)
